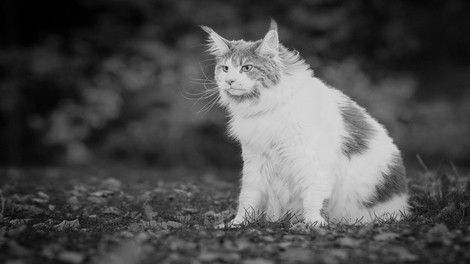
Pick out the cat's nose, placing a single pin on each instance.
(229, 81)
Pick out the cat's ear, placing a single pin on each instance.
(270, 44)
(218, 46)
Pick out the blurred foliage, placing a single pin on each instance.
(89, 80)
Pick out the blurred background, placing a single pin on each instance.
(108, 81)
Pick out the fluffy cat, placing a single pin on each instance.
(307, 148)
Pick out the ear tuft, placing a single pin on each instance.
(273, 25)
(270, 44)
(218, 46)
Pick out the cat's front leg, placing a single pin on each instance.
(318, 189)
(251, 193)
(313, 201)
(249, 201)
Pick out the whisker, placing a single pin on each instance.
(209, 105)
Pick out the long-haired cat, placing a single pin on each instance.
(307, 148)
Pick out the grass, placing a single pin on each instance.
(148, 216)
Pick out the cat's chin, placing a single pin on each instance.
(236, 92)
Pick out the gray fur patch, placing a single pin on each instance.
(360, 131)
(324, 209)
(393, 183)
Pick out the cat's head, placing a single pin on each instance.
(244, 70)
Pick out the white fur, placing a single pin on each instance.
(291, 140)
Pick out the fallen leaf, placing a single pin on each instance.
(71, 257)
(112, 210)
(403, 254)
(130, 252)
(149, 214)
(300, 227)
(68, 225)
(339, 254)
(15, 261)
(190, 210)
(285, 244)
(43, 195)
(14, 232)
(174, 224)
(73, 200)
(208, 256)
(16, 222)
(50, 250)
(184, 218)
(29, 210)
(40, 201)
(334, 256)
(348, 242)
(258, 261)
(212, 218)
(102, 193)
(438, 230)
(296, 255)
(97, 200)
(17, 249)
(386, 236)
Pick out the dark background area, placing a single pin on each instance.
(91, 81)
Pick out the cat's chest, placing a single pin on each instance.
(264, 133)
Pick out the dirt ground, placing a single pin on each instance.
(131, 215)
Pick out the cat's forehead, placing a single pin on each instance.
(241, 51)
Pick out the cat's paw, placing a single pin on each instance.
(315, 220)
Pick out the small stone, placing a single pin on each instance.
(111, 184)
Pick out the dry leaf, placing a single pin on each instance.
(386, 236)
(297, 255)
(174, 224)
(438, 230)
(149, 214)
(300, 227)
(404, 254)
(348, 242)
(68, 225)
(71, 257)
(102, 193)
(112, 210)
(258, 261)
(17, 249)
(190, 210)
(212, 218)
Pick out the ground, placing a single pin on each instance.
(127, 216)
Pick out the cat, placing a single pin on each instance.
(307, 148)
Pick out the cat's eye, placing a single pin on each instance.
(247, 68)
(224, 68)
